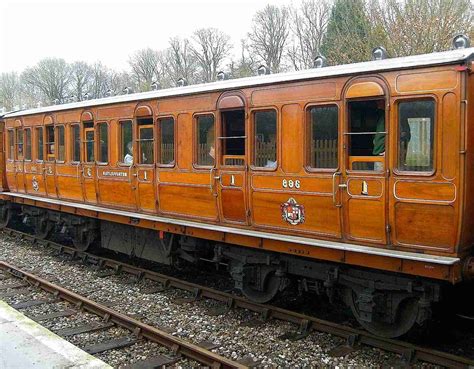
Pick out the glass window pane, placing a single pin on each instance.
(103, 143)
(265, 139)
(11, 145)
(126, 146)
(324, 136)
(39, 143)
(146, 145)
(61, 144)
(416, 135)
(19, 144)
(28, 144)
(205, 140)
(166, 127)
(89, 141)
(76, 143)
(50, 154)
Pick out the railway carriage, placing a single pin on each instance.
(355, 181)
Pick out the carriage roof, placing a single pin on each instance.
(408, 62)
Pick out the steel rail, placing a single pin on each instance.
(353, 337)
(177, 345)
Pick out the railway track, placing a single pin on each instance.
(110, 319)
(354, 338)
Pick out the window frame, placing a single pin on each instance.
(17, 143)
(195, 137)
(47, 143)
(25, 144)
(11, 144)
(307, 141)
(84, 141)
(158, 141)
(56, 132)
(72, 142)
(138, 140)
(396, 105)
(97, 158)
(277, 138)
(37, 143)
(120, 123)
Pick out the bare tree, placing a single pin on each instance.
(180, 61)
(82, 78)
(246, 65)
(9, 90)
(308, 25)
(145, 67)
(51, 76)
(269, 35)
(100, 81)
(421, 26)
(211, 47)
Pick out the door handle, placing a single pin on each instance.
(217, 178)
(335, 189)
(342, 185)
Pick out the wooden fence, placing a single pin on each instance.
(324, 154)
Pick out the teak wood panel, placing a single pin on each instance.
(185, 191)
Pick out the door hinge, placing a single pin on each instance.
(248, 212)
(388, 228)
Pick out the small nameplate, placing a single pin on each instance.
(115, 174)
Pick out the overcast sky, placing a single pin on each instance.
(111, 30)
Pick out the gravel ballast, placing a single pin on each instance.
(194, 322)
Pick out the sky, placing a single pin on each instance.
(111, 30)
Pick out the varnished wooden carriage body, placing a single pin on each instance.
(283, 186)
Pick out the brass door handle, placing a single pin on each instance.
(335, 189)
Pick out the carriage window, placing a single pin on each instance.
(166, 129)
(265, 139)
(19, 144)
(323, 136)
(416, 135)
(61, 144)
(89, 142)
(146, 141)
(233, 137)
(367, 135)
(205, 140)
(76, 143)
(50, 153)
(126, 145)
(28, 144)
(11, 144)
(103, 143)
(39, 144)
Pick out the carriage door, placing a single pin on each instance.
(363, 182)
(231, 166)
(88, 166)
(145, 163)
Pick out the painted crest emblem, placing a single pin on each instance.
(292, 212)
(35, 184)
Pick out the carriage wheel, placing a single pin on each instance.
(83, 238)
(43, 227)
(403, 322)
(260, 285)
(5, 215)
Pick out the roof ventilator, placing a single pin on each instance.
(320, 62)
(182, 82)
(155, 86)
(461, 41)
(262, 70)
(379, 53)
(110, 93)
(222, 76)
(127, 90)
